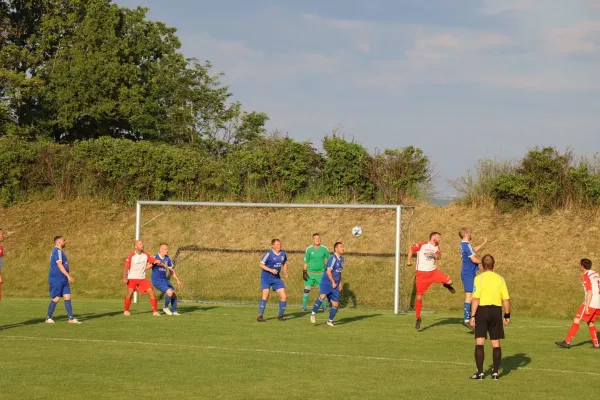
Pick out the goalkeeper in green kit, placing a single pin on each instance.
(315, 258)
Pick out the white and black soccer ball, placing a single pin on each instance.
(357, 231)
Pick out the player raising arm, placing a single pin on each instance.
(590, 309)
(427, 272)
(331, 284)
(161, 281)
(59, 279)
(271, 264)
(470, 266)
(134, 276)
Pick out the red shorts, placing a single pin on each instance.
(142, 285)
(591, 315)
(426, 278)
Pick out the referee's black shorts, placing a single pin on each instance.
(488, 319)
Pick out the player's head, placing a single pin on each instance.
(163, 249)
(488, 262)
(338, 247)
(60, 242)
(586, 264)
(316, 239)
(276, 244)
(138, 245)
(464, 234)
(435, 237)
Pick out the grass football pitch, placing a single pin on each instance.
(220, 352)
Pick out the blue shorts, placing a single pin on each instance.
(163, 286)
(331, 293)
(59, 289)
(468, 280)
(274, 282)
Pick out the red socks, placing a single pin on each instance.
(418, 306)
(154, 303)
(127, 303)
(572, 332)
(594, 334)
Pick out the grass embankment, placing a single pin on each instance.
(538, 255)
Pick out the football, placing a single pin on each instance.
(357, 231)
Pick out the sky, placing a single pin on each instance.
(461, 79)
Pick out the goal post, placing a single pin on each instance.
(397, 208)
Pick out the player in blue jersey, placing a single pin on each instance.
(160, 279)
(59, 279)
(331, 284)
(470, 266)
(271, 264)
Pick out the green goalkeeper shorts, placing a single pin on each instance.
(313, 280)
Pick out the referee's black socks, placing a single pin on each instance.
(479, 356)
(497, 356)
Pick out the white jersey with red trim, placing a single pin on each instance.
(136, 264)
(425, 252)
(591, 281)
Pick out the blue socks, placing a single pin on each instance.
(261, 307)
(174, 303)
(317, 305)
(51, 308)
(282, 305)
(69, 308)
(332, 313)
(167, 301)
(467, 311)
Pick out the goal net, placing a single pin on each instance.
(216, 248)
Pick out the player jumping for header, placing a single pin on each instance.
(470, 266)
(427, 273)
(331, 284)
(161, 281)
(590, 309)
(271, 264)
(315, 259)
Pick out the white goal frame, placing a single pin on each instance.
(398, 208)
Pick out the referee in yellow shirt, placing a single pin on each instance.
(489, 295)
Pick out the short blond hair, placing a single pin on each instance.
(462, 232)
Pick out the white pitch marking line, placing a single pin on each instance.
(300, 353)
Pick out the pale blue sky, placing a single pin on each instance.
(462, 79)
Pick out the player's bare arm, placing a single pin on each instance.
(285, 269)
(265, 268)
(409, 257)
(475, 259)
(330, 276)
(506, 304)
(477, 248)
(588, 300)
(64, 271)
(474, 306)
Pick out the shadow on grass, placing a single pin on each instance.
(588, 342)
(356, 318)
(445, 321)
(191, 309)
(512, 363)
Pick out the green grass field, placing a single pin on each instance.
(220, 351)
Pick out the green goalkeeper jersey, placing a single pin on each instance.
(315, 258)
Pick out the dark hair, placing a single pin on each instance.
(275, 240)
(488, 261)
(335, 245)
(316, 234)
(57, 237)
(432, 234)
(586, 263)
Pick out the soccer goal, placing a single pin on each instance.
(216, 246)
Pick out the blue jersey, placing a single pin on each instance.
(466, 252)
(336, 265)
(273, 261)
(159, 273)
(55, 276)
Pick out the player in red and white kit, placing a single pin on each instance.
(134, 276)
(427, 272)
(590, 309)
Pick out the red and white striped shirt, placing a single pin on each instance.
(425, 259)
(591, 281)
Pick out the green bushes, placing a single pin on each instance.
(267, 168)
(544, 180)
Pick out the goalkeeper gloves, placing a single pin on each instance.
(305, 275)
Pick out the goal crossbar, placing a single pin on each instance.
(397, 208)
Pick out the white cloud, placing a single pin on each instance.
(496, 7)
(581, 38)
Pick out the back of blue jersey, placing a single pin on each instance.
(336, 265)
(466, 252)
(273, 261)
(159, 273)
(55, 275)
